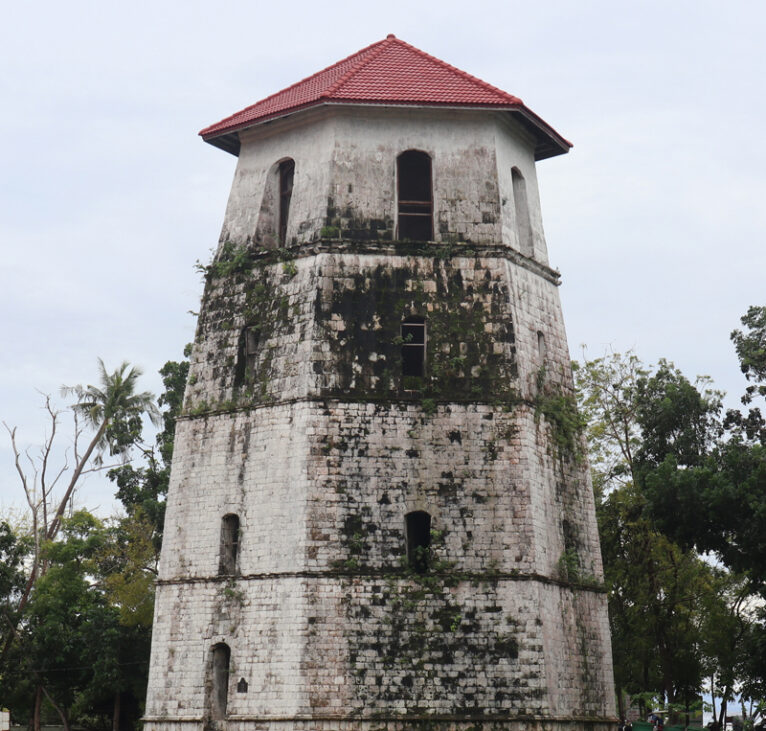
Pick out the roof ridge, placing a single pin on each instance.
(358, 67)
(297, 83)
(460, 72)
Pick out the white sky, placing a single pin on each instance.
(107, 195)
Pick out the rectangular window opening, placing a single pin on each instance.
(413, 349)
(229, 545)
(417, 526)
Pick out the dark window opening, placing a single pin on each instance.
(286, 174)
(570, 536)
(417, 527)
(242, 686)
(415, 196)
(521, 206)
(413, 335)
(248, 354)
(229, 545)
(219, 694)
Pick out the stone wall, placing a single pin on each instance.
(330, 322)
(345, 176)
(324, 453)
(355, 647)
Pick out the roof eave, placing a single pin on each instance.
(549, 142)
(226, 141)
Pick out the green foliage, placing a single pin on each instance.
(114, 409)
(128, 562)
(71, 641)
(84, 634)
(143, 489)
(655, 599)
(560, 412)
(329, 232)
(232, 259)
(751, 349)
(289, 268)
(672, 479)
(429, 406)
(606, 396)
(14, 549)
(569, 565)
(676, 417)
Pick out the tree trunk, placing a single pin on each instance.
(724, 707)
(38, 706)
(79, 467)
(712, 696)
(116, 712)
(59, 710)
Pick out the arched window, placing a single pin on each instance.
(286, 174)
(220, 660)
(229, 552)
(413, 334)
(417, 529)
(274, 214)
(415, 199)
(523, 227)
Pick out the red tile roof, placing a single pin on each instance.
(389, 72)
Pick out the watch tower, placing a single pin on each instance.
(379, 516)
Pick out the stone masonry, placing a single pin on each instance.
(299, 422)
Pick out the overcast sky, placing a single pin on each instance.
(108, 196)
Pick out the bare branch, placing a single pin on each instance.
(78, 470)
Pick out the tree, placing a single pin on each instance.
(751, 350)
(607, 398)
(14, 550)
(142, 490)
(649, 428)
(712, 496)
(74, 646)
(113, 411)
(80, 613)
(130, 559)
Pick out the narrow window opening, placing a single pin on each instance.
(415, 196)
(417, 528)
(521, 206)
(542, 351)
(219, 693)
(286, 174)
(229, 545)
(413, 335)
(248, 355)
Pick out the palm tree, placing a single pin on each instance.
(114, 410)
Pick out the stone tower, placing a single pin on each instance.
(380, 515)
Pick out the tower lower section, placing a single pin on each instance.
(339, 630)
(351, 544)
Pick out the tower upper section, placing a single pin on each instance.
(389, 144)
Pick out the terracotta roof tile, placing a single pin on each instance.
(387, 72)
